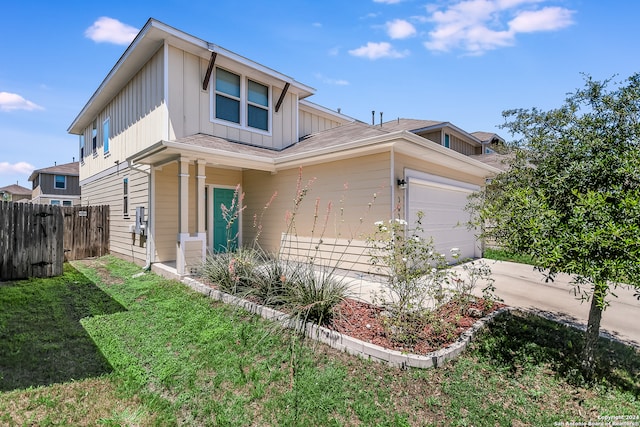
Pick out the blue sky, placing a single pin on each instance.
(451, 60)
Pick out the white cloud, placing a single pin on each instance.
(547, 19)
(317, 25)
(109, 30)
(7, 168)
(13, 101)
(330, 81)
(378, 50)
(387, 1)
(477, 26)
(400, 29)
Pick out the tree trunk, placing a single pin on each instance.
(593, 329)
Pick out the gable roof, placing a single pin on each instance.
(487, 137)
(68, 169)
(412, 125)
(422, 126)
(16, 189)
(150, 38)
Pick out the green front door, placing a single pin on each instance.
(225, 235)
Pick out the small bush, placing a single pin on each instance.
(232, 272)
(311, 295)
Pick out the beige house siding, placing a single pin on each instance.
(136, 116)
(166, 203)
(190, 107)
(346, 201)
(109, 190)
(311, 122)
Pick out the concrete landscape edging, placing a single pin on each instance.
(349, 344)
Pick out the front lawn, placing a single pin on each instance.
(168, 356)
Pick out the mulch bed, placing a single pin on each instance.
(366, 322)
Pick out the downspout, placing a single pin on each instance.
(392, 182)
(147, 265)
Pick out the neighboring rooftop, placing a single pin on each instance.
(68, 169)
(16, 189)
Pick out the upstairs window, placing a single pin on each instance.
(60, 182)
(105, 136)
(227, 96)
(258, 106)
(241, 101)
(94, 138)
(81, 143)
(447, 143)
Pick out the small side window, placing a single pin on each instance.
(105, 136)
(125, 197)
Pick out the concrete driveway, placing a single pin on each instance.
(519, 285)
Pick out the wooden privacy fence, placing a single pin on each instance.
(86, 231)
(30, 240)
(35, 239)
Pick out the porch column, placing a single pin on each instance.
(200, 196)
(183, 215)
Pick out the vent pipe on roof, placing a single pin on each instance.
(373, 117)
(380, 118)
(338, 110)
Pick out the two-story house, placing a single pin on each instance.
(179, 124)
(15, 193)
(56, 185)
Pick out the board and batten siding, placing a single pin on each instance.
(136, 119)
(311, 123)
(345, 200)
(190, 106)
(109, 190)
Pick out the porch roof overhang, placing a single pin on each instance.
(164, 152)
(222, 153)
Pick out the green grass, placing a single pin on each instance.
(502, 255)
(174, 357)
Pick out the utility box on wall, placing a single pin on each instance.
(140, 226)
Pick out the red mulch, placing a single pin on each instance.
(363, 321)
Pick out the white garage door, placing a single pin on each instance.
(442, 201)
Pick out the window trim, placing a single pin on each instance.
(81, 149)
(55, 182)
(94, 138)
(244, 103)
(106, 128)
(125, 197)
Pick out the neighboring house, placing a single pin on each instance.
(15, 193)
(179, 123)
(491, 142)
(56, 185)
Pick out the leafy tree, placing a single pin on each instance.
(571, 196)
